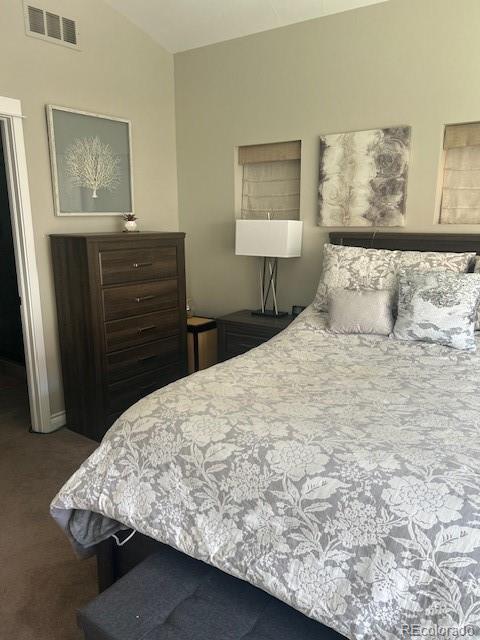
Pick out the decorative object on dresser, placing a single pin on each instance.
(130, 222)
(202, 343)
(363, 178)
(241, 331)
(121, 321)
(91, 163)
(269, 239)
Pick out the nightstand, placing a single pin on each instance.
(241, 331)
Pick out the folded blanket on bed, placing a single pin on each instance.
(340, 473)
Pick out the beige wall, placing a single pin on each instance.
(378, 66)
(410, 62)
(118, 71)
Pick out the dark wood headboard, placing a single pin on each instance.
(455, 242)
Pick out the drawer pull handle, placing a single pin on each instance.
(146, 359)
(143, 298)
(149, 328)
(137, 265)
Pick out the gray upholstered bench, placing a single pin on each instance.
(170, 596)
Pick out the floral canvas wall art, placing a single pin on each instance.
(363, 178)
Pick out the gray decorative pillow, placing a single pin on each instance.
(359, 268)
(360, 311)
(435, 261)
(438, 307)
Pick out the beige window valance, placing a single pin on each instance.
(274, 152)
(462, 135)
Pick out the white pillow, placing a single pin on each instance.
(437, 306)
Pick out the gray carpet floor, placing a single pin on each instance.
(42, 583)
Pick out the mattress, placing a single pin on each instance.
(338, 473)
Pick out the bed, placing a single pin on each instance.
(339, 473)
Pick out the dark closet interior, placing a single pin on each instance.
(11, 340)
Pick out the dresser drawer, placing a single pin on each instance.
(237, 343)
(121, 334)
(122, 395)
(132, 362)
(136, 299)
(135, 265)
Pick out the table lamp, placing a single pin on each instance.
(270, 240)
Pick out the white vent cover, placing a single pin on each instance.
(44, 24)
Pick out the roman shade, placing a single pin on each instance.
(462, 135)
(461, 177)
(271, 180)
(274, 152)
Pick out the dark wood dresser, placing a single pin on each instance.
(241, 331)
(121, 321)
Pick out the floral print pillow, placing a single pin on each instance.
(438, 307)
(434, 261)
(359, 268)
(354, 268)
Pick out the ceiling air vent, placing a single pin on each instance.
(50, 26)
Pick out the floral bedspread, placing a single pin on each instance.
(339, 473)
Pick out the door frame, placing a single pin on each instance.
(25, 258)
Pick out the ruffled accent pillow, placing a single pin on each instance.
(438, 307)
(360, 311)
(359, 268)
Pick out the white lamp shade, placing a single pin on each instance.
(269, 238)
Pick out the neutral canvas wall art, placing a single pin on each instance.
(91, 163)
(363, 178)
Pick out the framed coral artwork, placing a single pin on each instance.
(363, 178)
(91, 163)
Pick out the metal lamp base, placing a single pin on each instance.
(268, 288)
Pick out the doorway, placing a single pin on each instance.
(15, 177)
(13, 377)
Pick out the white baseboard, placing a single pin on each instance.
(57, 420)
